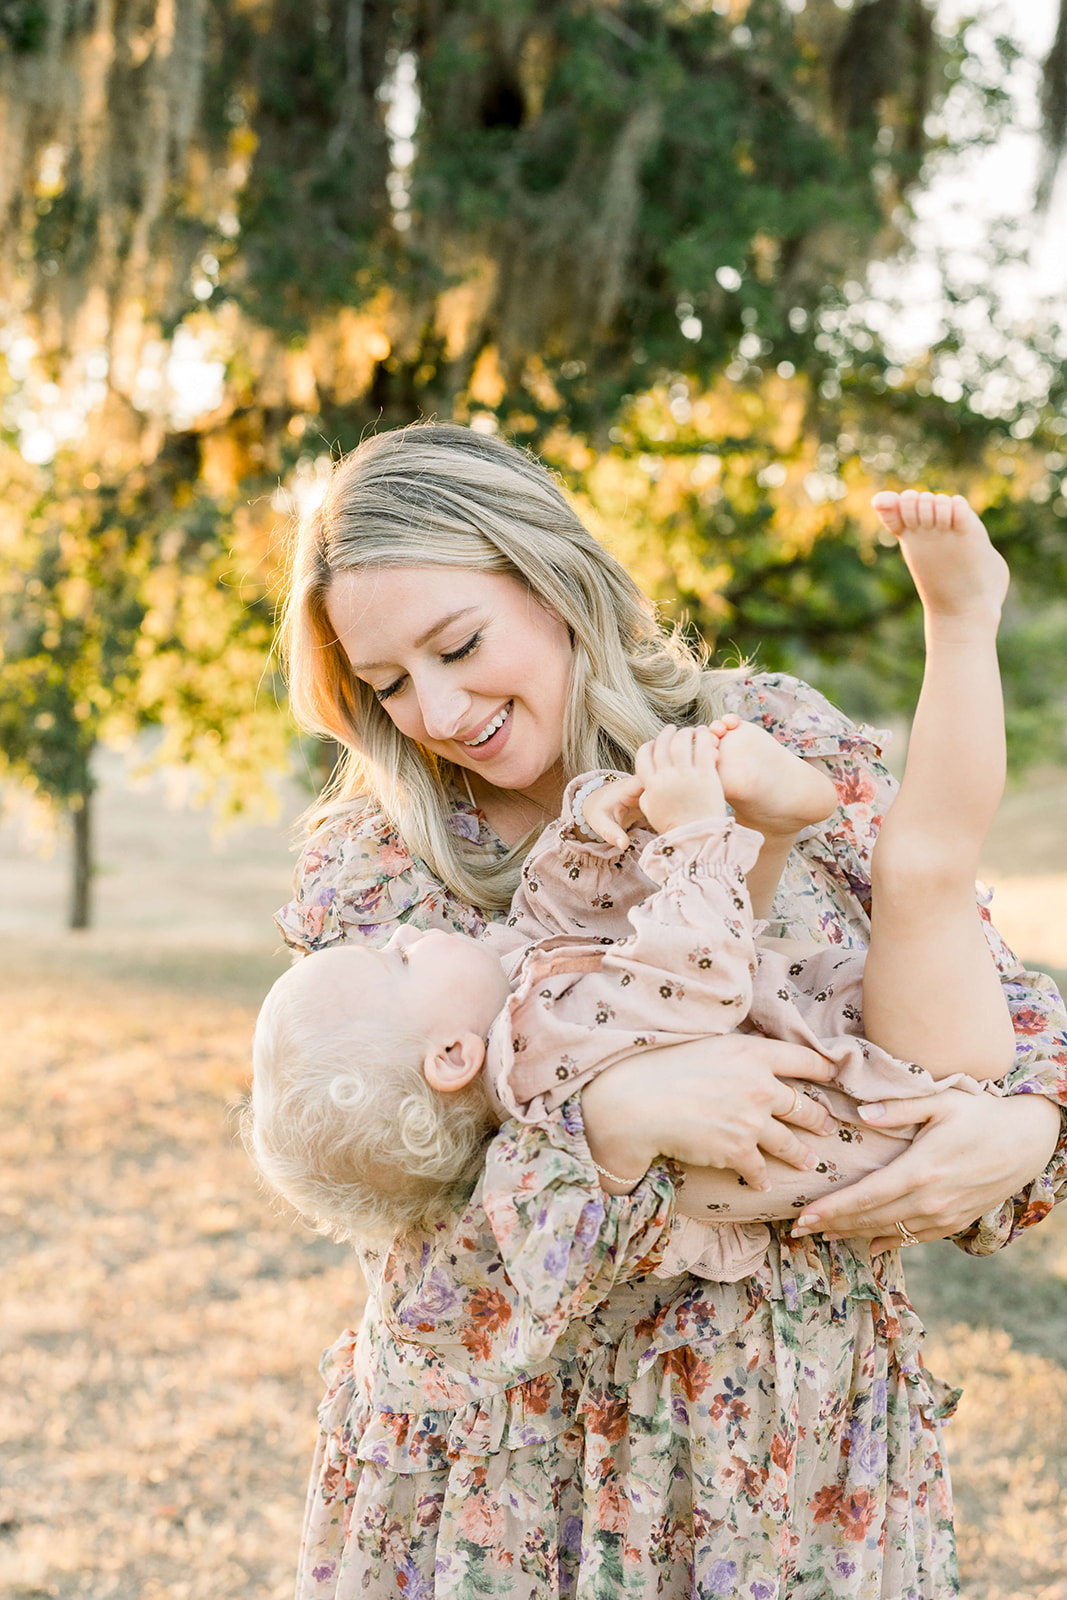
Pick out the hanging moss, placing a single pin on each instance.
(23, 25)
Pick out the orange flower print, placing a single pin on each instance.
(856, 1514)
(609, 1420)
(826, 1503)
(855, 786)
(394, 859)
(689, 1369)
(613, 1509)
(482, 1524)
(537, 1394)
(489, 1312)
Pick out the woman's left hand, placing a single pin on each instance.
(971, 1154)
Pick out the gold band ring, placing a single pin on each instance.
(906, 1236)
(784, 1116)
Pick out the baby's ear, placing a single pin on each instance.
(458, 1064)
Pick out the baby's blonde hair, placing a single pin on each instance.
(435, 495)
(343, 1123)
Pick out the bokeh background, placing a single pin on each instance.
(729, 266)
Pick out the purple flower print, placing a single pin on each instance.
(720, 1579)
(466, 825)
(411, 1583)
(438, 1298)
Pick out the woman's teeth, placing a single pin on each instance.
(490, 727)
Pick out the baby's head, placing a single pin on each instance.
(368, 1108)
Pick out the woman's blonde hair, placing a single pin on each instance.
(435, 495)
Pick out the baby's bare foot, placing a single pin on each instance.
(770, 788)
(960, 577)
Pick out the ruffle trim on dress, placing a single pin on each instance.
(528, 1414)
(794, 1271)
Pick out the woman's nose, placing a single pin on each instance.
(443, 710)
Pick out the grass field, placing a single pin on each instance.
(161, 1323)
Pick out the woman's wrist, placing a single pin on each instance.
(1042, 1119)
(617, 1126)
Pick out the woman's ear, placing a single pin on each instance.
(458, 1064)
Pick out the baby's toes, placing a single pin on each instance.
(943, 505)
(926, 511)
(887, 505)
(965, 518)
(909, 509)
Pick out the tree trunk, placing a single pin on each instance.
(81, 815)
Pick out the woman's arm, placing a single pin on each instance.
(971, 1151)
(726, 1107)
(540, 1244)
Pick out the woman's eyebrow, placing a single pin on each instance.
(423, 639)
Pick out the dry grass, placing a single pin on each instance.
(161, 1324)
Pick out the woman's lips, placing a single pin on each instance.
(496, 740)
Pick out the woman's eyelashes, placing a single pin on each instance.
(465, 649)
(448, 656)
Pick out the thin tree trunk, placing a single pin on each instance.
(81, 814)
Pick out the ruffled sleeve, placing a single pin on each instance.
(563, 1245)
(355, 880)
(837, 857)
(1040, 1021)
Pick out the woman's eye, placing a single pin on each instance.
(391, 688)
(464, 650)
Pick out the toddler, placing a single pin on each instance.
(378, 1073)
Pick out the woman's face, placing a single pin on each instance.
(468, 664)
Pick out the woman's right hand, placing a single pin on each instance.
(717, 1102)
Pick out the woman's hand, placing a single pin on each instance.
(972, 1153)
(716, 1102)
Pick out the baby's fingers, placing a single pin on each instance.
(653, 755)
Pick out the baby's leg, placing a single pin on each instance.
(773, 791)
(931, 992)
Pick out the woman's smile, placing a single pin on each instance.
(487, 742)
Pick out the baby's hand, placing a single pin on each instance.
(679, 776)
(612, 809)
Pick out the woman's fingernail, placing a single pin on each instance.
(874, 1112)
(811, 1160)
(764, 1186)
(804, 1224)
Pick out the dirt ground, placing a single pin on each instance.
(161, 1322)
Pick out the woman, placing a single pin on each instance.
(525, 1411)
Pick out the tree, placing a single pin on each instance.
(115, 615)
(572, 220)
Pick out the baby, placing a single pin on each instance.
(379, 1073)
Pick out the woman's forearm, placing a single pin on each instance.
(971, 1152)
(716, 1102)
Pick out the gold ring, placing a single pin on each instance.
(785, 1115)
(906, 1236)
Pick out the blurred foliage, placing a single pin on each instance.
(118, 611)
(631, 234)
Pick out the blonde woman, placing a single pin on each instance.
(525, 1412)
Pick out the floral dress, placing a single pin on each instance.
(527, 1411)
